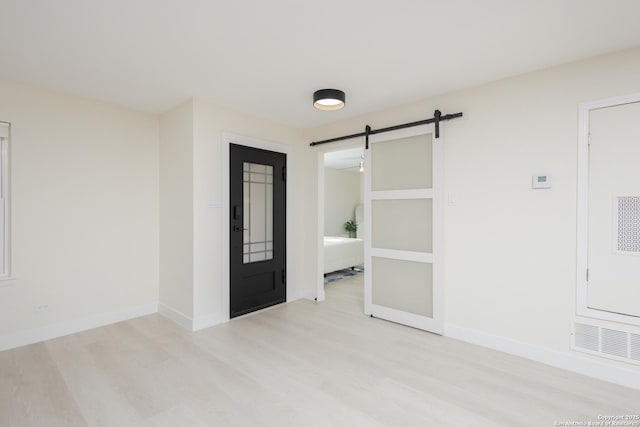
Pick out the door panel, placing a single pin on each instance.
(403, 257)
(390, 219)
(400, 164)
(417, 282)
(614, 210)
(258, 236)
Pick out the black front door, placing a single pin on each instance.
(258, 232)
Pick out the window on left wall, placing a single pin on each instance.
(5, 256)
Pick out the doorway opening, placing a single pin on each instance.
(342, 226)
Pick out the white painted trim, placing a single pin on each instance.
(402, 194)
(5, 282)
(74, 326)
(5, 182)
(188, 323)
(314, 295)
(610, 102)
(206, 321)
(435, 323)
(368, 244)
(402, 255)
(176, 316)
(582, 305)
(568, 361)
(319, 274)
(231, 138)
(437, 260)
(406, 318)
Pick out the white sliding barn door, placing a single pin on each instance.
(403, 248)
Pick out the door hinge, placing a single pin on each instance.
(284, 277)
(589, 140)
(587, 275)
(284, 173)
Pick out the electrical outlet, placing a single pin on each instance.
(40, 308)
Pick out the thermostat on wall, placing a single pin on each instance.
(541, 181)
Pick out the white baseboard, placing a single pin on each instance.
(206, 321)
(313, 296)
(569, 361)
(73, 326)
(321, 296)
(293, 295)
(176, 316)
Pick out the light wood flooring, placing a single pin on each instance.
(298, 364)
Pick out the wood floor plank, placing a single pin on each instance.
(37, 394)
(298, 364)
(100, 403)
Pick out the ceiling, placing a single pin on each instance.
(267, 57)
(347, 160)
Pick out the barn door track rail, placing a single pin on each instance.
(436, 119)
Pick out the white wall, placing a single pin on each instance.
(192, 286)
(510, 250)
(86, 207)
(84, 184)
(341, 196)
(176, 211)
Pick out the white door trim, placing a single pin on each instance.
(435, 324)
(231, 138)
(582, 308)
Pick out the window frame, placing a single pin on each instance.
(5, 196)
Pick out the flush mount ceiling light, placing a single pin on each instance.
(328, 99)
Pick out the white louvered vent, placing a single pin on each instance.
(614, 342)
(587, 337)
(635, 347)
(628, 224)
(607, 342)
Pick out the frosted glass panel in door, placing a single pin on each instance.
(402, 164)
(402, 224)
(403, 285)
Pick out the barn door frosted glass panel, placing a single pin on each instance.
(257, 212)
(412, 285)
(402, 224)
(402, 164)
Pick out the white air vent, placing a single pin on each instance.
(607, 342)
(628, 222)
(615, 342)
(635, 347)
(587, 337)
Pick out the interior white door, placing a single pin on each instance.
(613, 263)
(403, 251)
